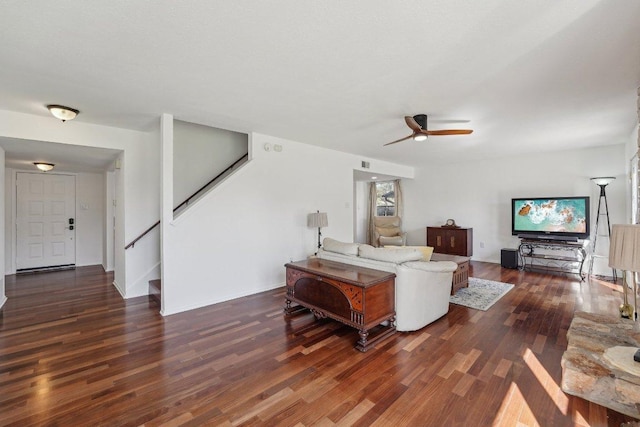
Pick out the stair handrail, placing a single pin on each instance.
(144, 233)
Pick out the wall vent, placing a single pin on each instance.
(365, 164)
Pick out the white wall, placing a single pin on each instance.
(631, 149)
(137, 185)
(109, 221)
(236, 240)
(120, 260)
(200, 153)
(478, 194)
(90, 201)
(7, 230)
(141, 209)
(361, 211)
(3, 297)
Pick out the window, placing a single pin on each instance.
(385, 199)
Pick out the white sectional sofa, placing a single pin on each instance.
(422, 287)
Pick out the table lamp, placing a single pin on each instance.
(624, 253)
(319, 220)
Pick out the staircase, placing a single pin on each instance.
(155, 291)
(155, 286)
(195, 195)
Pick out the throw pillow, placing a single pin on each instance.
(427, 251)
(388, 231)
(333, 245)
(395, 240)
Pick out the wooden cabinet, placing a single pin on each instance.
(356, 296)
(452, 241)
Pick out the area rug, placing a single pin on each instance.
(481, 294)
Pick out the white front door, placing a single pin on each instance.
(45, 220)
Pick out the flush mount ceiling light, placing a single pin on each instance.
(44, 167)
(63, 113)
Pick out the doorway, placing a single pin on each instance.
(45, 221)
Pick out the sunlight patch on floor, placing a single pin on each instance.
(545, 380)
(513, 406)
(515, 410)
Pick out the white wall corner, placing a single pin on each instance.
(119, 289)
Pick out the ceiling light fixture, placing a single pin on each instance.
(420, 137)
(44, 167)
(63, 113)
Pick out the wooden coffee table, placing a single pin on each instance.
(356, 296)
(461, 275)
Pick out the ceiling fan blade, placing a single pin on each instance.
(411, 122)
(399, 140)
(449, 132)
(448, 121)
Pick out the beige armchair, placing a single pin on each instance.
(387, 231)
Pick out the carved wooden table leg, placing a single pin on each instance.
(290, 311)
(362, 342)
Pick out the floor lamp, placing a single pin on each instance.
(624, 253)
(319, 220)
(602, 182)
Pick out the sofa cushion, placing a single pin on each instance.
(359, 261)
(433, 266)
(333, 245)
(396, 256)
(427, 251)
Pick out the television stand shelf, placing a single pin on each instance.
(553, 255)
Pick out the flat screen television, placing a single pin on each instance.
(551, 218)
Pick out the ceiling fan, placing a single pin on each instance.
(418, 124)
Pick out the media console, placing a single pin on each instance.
(553, 255)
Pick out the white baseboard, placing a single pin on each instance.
(114, 283)
(217, 300)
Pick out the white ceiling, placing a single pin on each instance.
(21, 154)
(526, 75)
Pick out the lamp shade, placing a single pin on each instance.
(317, 220)
(603, 180)
(624, 250)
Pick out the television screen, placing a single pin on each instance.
(551, 217)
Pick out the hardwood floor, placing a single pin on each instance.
(74, 353)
